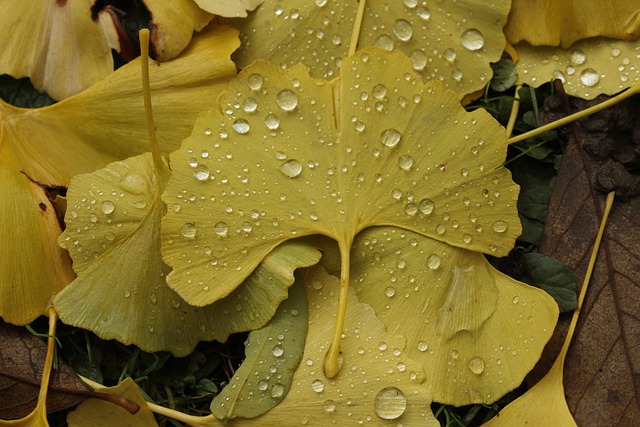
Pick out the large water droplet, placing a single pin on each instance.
(390, 137)
(405, 162)
(249, 105)
(201, 173)
(241, 126)
(188, 230)
(255, 81)
(419, 59)
(277, 351)
(472, 39)
(317, 386)
(578, 57)
(433, 261)
(390, 291)
(426, 206)
(291, 168)
(390, 403)
(449, 54)
(589, 77)
(500, 226)
(385, 42)
(379, 91)
(411, 209)
(476, 365)
(221, 228)
(403, 29)
(287, 100)
(277, 391)
(422, 346)
(107, 207)
(329, 406)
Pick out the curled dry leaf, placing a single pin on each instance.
(476, 331)
(452, 42)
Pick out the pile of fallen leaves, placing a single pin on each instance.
(333, 199)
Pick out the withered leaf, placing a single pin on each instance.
(602, 370)
(21, 360)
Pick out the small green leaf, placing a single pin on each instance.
(504, 75)
(272, 355)
(554, 277)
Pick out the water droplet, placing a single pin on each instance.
(188, 230)
(426, 206)
(108, 207)
(403, 29)
(291, 168)
(385, 42)
(450, 55)
(578, 57)
(516, 299)
(221, 228)
(379, 91)
(201, 173)
(263, 385)
(476, 365)
(255, 81)
(589, 77)
(441, 229)
(241, 126)
(287, 100)
(317, 386)
(321, 3)
(410, 3)
(390, 291)
(277, 391)
(390, 137)
(277, 351)
(401, 263)
(272, 122)
(424, 13)
(500, 226)
(246, 227)
(472, 39)
(466, 238)
(249, 105)
(405, 162)
(411, 209)
(390, 403)
(419, 59)
(422, 346)
(109, 236)
(433, 261)
(329, 406)
(93, 217)
(456, 74)
(127, 293)
(454, 354)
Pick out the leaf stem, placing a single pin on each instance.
(192, 420)
(332, 360)
(355, 34)
(633, 90)
(587, 279)
(161, 169)
(514, 112)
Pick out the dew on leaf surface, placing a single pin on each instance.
(472, 39)
(188, 230)
(390, 403)
(255, 81)
(589, 77)
(241, 126)
(291, 168)
(287, 100)
(476, 365)
(390, 137)
(403, 29)
(107, 207)
(317, 386)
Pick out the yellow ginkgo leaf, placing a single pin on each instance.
(476, 331)
(113, 235)
(55, 43)
(48, 146)
(229, 9)
(453, 42)
(379, 385)
(587, 69)
(100, 413)
(551, 23)
(286, 156)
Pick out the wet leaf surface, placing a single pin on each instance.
(22, 357)
(476, 331)
(602, 379)
(272, 355)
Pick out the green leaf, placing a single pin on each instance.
(554, 277)
(504, 75)
(272, 355)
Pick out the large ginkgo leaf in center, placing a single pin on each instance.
(286, 155)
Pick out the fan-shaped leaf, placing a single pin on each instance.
(237, 8)
(453, 42)
(476, 331)
(113, 236)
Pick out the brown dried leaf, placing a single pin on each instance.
(22, 357)
(602, 370)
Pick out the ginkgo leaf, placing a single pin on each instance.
(452, 42)
(287, 156)
(98, 413)
(589, 68)
(85, 132)
(546, 22)
(113, 235)
(55, 43)
(379, 385)
(476, 331)
(237, 8)
(272, 355)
